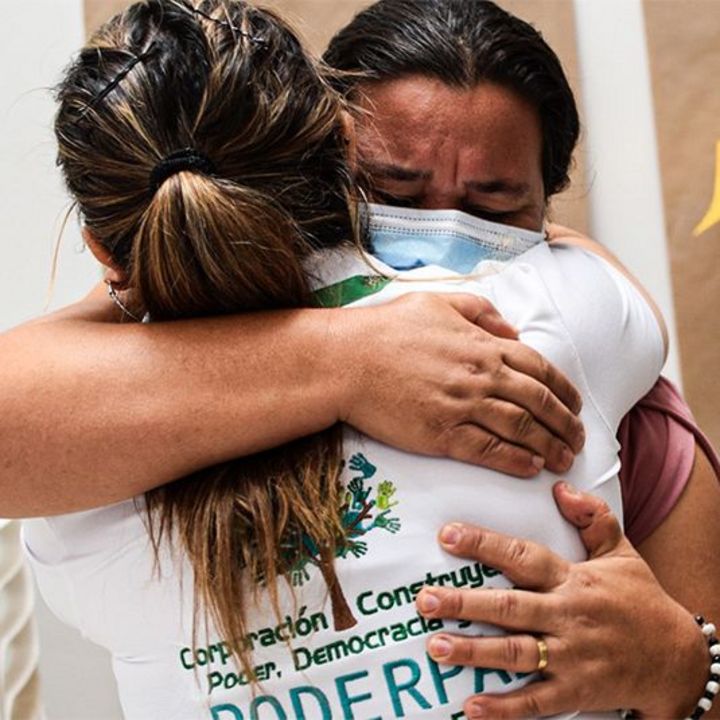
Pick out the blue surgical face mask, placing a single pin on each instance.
(406, 239)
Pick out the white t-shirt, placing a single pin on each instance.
(95, 568)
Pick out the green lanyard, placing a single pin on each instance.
(351, 290)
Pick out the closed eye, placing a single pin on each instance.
(395, 200)
(491, 215)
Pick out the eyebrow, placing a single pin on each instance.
(492, 187)
(395, 172)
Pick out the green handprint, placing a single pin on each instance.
(359, 463)
(359, 493)
(356, 548)
(385, 491)
(391, 524)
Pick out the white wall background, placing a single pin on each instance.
(37, 38)
(625, 191)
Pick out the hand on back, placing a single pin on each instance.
(444, 375)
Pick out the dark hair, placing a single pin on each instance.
(228, 91)
(233, 83)
(462, 43)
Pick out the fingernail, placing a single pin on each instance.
(475, 711)
(538, 461)
(450, 535)
(427, 602)
(567, 457)
(570, 489)
(440, 647)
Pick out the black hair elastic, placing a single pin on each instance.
(179, 161)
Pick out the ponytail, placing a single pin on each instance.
(205, 247)
(234, 82)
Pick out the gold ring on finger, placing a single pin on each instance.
(542, 654)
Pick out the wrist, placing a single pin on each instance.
(339, 366)
(690, 669)
(698, 664)
(704, 706)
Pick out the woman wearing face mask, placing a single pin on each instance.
(232, 192)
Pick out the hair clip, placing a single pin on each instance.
(252, 38)
(117, 80)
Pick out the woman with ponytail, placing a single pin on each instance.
(222, 225)
(211, 162)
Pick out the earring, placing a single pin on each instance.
(112, 292)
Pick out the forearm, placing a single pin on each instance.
(93, 412)
(681, 553)
(116, 410)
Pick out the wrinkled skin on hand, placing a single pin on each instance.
(615, 638)
(475, 393)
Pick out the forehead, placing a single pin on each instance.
(421, 122)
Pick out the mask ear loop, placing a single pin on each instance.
(112, 292)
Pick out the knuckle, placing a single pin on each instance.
(490, 364)
(518, 552)
(498, 371)
(546, 400)
(456, 385)
(463, 651)
(586, 579)
(524, 424)
(567, 612)
(483, 339)
(452, 603)
(512, 653)
(484, 305)
(506, 604)
(544, 368)
(573, 425)
(480, 702)
(471, 370)
(534, 708)
(489, 447)
(414, 299)
(475, 542)
(603, 510)
(565, 657)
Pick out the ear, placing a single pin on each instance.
(348, 128)
(113, 272)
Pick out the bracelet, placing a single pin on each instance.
(713, 685)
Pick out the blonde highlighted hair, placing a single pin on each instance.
(233, 83)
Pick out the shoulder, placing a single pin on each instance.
(658, 439)
(562, 237)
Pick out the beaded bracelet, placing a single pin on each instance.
(713, 685)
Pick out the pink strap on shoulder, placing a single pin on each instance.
(658, 438)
